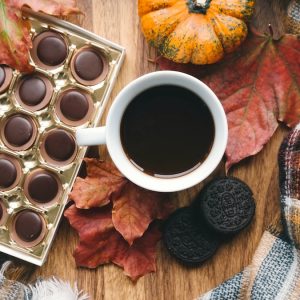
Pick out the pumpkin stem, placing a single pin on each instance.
(199, 3)
(198, 6)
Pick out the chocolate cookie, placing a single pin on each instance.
(187, 239)
(226, 205)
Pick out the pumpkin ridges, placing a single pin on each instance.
(231, 31)
(200, 37)
(157, 25)
(193, 40)
(207, 51)
(241, 9)
(145, 7)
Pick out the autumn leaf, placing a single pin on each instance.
(15, 40)
(258, 86)
(100, 243)
(51, 7)
(135, 208)
(103, 179)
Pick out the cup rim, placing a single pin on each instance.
(119, 156)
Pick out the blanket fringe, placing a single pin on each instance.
(53, 289)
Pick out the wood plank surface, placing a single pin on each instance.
(117, 20)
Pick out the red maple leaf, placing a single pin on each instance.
(15, 40)
(135, 208)
(100, 243)
(103, 179)
(258, 86)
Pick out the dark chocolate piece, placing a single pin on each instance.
(18, 130)
(8, 173)
(28, 225)
(88, 65)
(32, 90)
(227, 205)
(187, 239)
(52, 50)
(74, 105)
(43, 187)
(60, 145)
(2, 75)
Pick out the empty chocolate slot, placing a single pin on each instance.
(6, 74)
(28, 228)
(42, 188)
(89, 66)
(10, 172)
(74, 107)
(49, 50)
(58, 147)
(34, 92)
(18, 132)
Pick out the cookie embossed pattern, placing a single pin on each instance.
(75, 71)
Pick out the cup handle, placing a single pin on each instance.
(91, 136)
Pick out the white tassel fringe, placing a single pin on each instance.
(55, 289)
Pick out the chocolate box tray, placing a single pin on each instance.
(33, 162)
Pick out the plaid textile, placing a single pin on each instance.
(12, 290)
(274, 272)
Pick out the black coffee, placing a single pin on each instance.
(167, 131)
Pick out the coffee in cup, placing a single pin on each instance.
(165, 131)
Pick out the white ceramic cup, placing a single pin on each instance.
(110, 134)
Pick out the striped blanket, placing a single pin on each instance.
(274, 272)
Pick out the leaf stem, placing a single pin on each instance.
(271, 30)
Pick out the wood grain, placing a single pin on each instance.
(117, 20)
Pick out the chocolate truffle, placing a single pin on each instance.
(32, 90)
(8, 173)
(43, 187)
(28, 226)
(2, 75)
(74, 105)
(18, 130)
(6, 75)
(88, 64)
(52, 50)
(59, 145)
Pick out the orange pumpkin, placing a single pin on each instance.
(196, 31)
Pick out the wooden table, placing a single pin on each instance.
(117, 20)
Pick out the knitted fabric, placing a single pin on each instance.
(274, 272)
(293, 17)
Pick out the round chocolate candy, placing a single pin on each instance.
(89, 66)
(19, 132)
(2, 75)
(32, 90)
(28, 226)
(49, 50)
(74, 105)
(8, 173)
(226, 205)
(6, 74)
(187, 239)
(43, 187)
(52, 50)
(59, 145)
